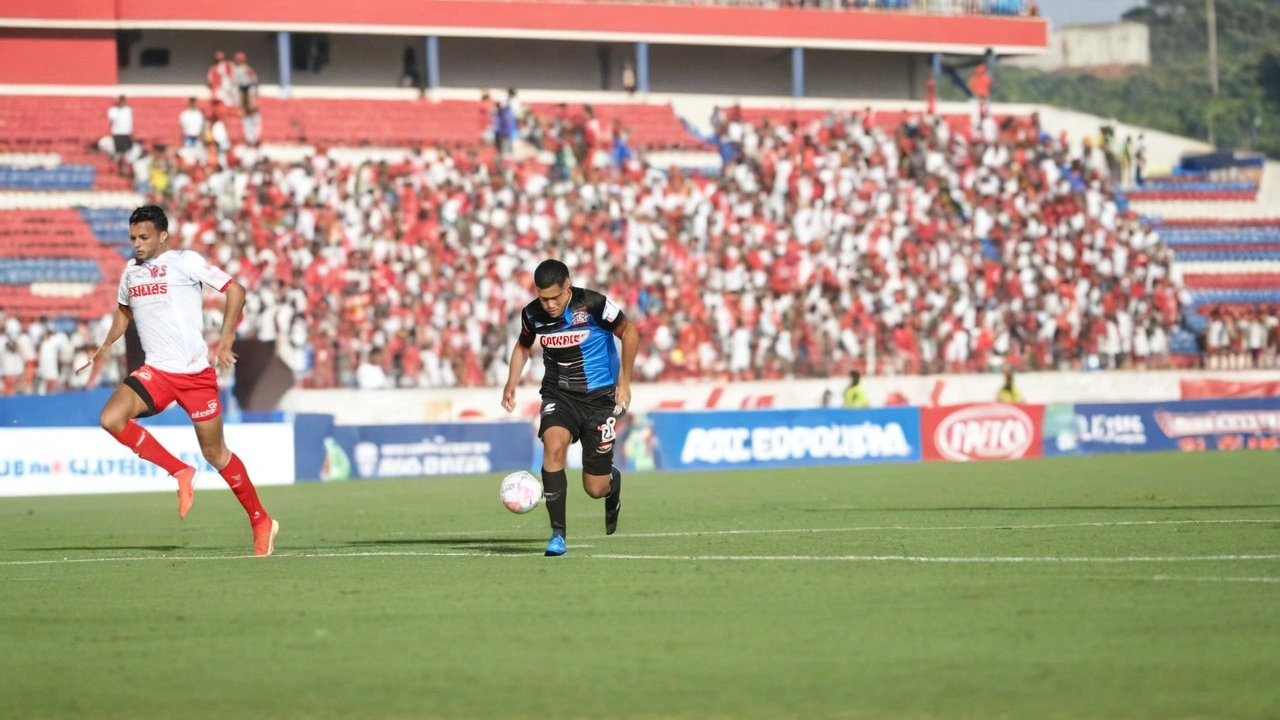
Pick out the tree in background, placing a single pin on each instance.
(1174, 94)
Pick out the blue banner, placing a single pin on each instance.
(785, 438)
(1189, 426)
(398, 451)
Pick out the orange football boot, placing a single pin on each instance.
(264, 543)
(186, 478)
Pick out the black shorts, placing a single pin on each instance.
(123, 143)
(589, 419)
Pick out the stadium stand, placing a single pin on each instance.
(887, 242)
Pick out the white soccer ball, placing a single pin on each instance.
(520, 492)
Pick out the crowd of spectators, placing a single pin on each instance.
(820, 248)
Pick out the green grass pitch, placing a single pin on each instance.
(1143, 586)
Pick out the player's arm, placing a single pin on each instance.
(629, 334)
(119, 323)
(611, 318)
(234, 292)
(199, 270)
(520, 353)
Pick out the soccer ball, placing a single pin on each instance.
(520, 492)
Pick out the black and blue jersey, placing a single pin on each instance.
(577, 347)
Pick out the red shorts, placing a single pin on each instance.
(197, 393)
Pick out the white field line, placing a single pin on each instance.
(689, 558)
(944, 528)
(977, 559)
(860, 528)
(1177, 578)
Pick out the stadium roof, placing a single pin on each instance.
(574, 21)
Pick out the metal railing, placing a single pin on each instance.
(927, 7)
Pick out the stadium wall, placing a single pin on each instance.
(361, 60)
(81, 461)
(57, 57)
(50, 461)
(1107, 46)
(355, 407)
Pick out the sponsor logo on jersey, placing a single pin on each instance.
(564, 339)
(157, 271)
(579, 317)
(985, 432)
(212, 408)
(149, 289)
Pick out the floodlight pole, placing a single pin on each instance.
(1211, 14)
(1211, 20)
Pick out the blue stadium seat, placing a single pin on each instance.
(1233, 254)
(62, 177)
(110, 225)
(1183, 342)
(24, 271)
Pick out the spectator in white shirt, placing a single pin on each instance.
(49, 370)
(246, 81)
(251, 124)
(121, 117)
(191, 121)
(370, 375)
(219, 135)
(1256, 336)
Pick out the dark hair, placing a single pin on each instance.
(855, 377)
(153, 214)
(550, 273)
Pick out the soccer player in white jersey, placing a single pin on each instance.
(162, 292)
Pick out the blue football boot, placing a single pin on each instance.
(556, 548)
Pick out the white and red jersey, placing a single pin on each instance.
(167, 301)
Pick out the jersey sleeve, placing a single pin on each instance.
(202, 272)
(526, 330)
(122, 295)
(606, 314)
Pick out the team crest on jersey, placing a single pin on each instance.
(579, 317)
(157, 271)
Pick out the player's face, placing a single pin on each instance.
(554, 299)
(147, 241)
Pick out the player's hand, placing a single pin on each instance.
(509, 398)
(226, 358)
(94, 359)
(621, 399)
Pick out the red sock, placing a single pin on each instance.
(238, 478)
(137, 439)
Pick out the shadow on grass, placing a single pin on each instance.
(848, 508)
(497, 546)
(91, 548)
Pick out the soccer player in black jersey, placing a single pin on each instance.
(586, 388)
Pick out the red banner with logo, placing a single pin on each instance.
(1215, 389)
(961, 433)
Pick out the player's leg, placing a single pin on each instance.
(198, 395)
(599, 477)
(138, 398)
(214, 448)
(556, 440)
